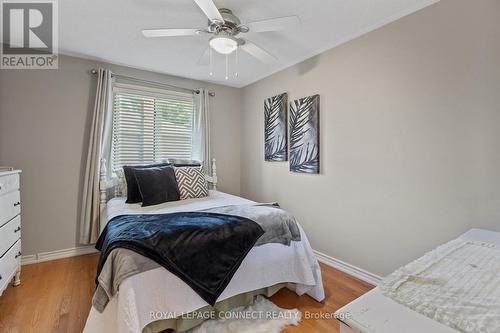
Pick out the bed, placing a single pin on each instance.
(375, 313)
(143, 298)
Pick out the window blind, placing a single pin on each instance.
(150, 127)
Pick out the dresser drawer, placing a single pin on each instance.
(10, 206)
(9, 234)
(9, 264)
(9, 183)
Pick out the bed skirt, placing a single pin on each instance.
(195, 318)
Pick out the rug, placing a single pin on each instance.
(261, 317)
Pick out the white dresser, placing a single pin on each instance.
(10, 228)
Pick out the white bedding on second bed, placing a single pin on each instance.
(160, 290)
(376, 313)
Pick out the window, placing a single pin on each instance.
(150, 125)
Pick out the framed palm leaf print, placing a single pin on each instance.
(304, 135)
(275, 128)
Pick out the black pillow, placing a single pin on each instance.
(157, 185)
(133, 193)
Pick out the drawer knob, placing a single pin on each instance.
(18, 254)
(17, 229)
(17, 204)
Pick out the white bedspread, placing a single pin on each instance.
(456, 284)
(159, 290)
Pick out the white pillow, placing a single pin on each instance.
(121, 183)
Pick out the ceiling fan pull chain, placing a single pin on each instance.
(211, 63)
(236, 63)
(227, 67)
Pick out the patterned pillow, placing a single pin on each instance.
(191, 182)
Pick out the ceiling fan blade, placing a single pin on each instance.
(170, 32)
(209, 8)
(258, 52)
(205, 57)
(275, 24)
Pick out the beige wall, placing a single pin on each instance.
(410, 137)
(44, 125)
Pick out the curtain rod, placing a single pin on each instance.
(130, 78)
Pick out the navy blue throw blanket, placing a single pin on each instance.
(203, 249)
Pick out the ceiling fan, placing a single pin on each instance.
(224, 28)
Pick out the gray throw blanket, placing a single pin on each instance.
(278, 225)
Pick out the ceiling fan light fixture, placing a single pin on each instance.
(224, 44)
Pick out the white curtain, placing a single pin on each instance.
(99, 147)
(201, 130)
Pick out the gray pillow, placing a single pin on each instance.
(180, 162)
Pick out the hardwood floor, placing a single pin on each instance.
(55, 296)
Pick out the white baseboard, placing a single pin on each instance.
(58, 254)
(357, 272)
(29, 259)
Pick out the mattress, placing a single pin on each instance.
(142, 297)
(376, 313)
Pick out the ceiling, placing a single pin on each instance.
(111, 31)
